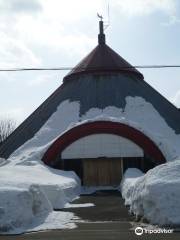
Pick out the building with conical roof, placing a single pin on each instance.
(103, 119)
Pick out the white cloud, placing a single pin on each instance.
(58, 26)
(14, 50)
(15, 53)
(145, 7)
(19, 6)
(25, 39)
(57, 38)
(42, 78)
(70, 10)
(172, 20)
(17, 114)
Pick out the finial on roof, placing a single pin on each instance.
(101, 35)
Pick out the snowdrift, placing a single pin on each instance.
(154, 195)
(20, 207)
(30, 193)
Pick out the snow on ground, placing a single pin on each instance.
(79, 205)
(154, 195)
(55, 220)
(30, 193)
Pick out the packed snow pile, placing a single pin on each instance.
(154, 195)
(128, 182)
(30, 193)
(19, 207)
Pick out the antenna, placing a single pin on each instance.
(108, 18)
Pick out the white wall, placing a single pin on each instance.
(102, 145)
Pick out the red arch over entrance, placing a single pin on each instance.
(103, 127)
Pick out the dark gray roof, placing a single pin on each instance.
(92, 90)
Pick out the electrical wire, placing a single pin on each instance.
(70, 68)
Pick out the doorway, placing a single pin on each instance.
(102, 171)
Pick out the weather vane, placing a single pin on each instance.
(107, 23)
(100, 16)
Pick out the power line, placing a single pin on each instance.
(71, 68)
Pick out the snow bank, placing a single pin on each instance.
(26, 210)
(59, 186)
(128, 182)
(30, 193)
(30, 185)
(156, 194)
(20, 207)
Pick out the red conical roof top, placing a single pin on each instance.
(103, 60)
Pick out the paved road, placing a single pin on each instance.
(109, 206)
(109, 219)
(93, 231)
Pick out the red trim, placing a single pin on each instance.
(103, 127)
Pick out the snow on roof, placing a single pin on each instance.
(137, 113)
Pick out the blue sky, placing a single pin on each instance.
(58, 33)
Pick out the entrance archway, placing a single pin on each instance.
(55, 152)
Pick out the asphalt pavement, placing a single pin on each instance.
(108, 219)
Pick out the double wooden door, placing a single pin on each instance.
(102, 171)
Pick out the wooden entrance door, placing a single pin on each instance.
(102, 172)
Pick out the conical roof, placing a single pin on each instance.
(103, 59)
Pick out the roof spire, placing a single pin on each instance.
(101, 35)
